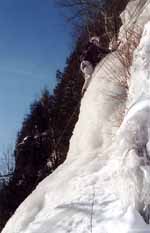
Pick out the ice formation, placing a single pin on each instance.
(104, 185)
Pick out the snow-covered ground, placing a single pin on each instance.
(104, 184)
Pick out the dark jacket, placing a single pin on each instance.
(93, 53)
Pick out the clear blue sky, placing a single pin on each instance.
(34, 43)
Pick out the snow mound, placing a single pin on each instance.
(104, 184)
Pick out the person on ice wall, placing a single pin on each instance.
(91, 55)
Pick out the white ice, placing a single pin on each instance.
(105, 182)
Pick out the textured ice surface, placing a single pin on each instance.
(104, 184)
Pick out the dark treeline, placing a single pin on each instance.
(43, 140)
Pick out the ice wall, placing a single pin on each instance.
(104, 184)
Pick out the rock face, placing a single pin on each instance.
(103, 186)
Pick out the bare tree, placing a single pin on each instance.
(96, 17)
(81, 11)
(7, 163)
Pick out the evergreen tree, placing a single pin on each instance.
(43, 140)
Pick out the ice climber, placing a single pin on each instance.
(91, 55)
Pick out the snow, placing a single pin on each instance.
(104, 184)
(134, 17)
